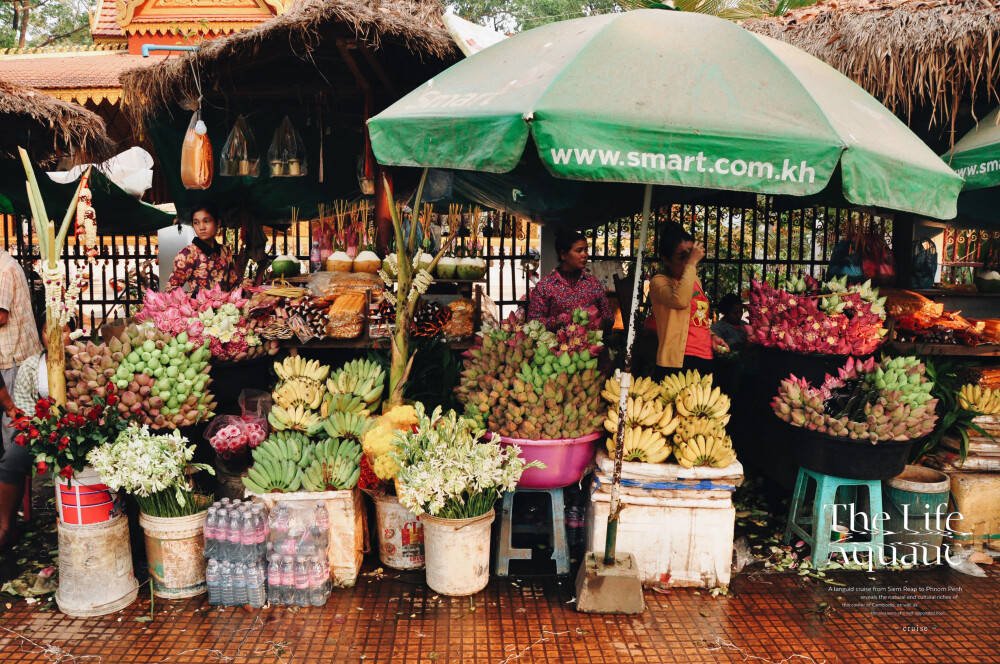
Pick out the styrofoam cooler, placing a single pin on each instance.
(86, 500)
(677, 522)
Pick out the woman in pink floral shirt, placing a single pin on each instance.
(204, 262)
(570, 286)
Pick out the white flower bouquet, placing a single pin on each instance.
(447, 471)
(152, 468)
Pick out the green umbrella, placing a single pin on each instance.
(976, 157)
(664, 98)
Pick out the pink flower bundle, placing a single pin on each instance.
(232, 435)
(841, 323)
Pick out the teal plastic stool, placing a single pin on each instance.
(560, 544)
(815, 527)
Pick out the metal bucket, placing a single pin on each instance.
(175, 550)
(95, 569)
(400, 534)
(457, 553)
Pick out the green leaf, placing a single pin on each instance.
(143, 619)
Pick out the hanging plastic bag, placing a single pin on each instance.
(239, 155)
(196, 155)
(877, 261)
(287, 154)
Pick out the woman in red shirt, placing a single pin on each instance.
(204, 262)
(569, 287)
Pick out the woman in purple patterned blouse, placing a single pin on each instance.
(204, 262)
(569, 286)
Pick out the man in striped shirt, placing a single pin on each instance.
(18, 340)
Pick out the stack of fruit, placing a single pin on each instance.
(359, 378)
(523, 381)
(162, 380)
(982, 400)
(299, 394)
(865, 401)
(288, 461)
(684, 405)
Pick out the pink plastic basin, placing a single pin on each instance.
(565, 459)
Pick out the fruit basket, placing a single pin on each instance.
(565, 459)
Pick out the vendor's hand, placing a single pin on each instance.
(719, 345)
(697, 253)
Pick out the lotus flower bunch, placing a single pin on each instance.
(836, 320)
(562, 403)
(162, 380)
(215, 297)
(852, 404)
(172, 313)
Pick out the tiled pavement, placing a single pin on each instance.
(774, 618)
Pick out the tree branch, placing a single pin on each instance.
(62, 36)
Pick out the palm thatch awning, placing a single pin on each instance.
(368, 47)
(935, 63)
(49, 128)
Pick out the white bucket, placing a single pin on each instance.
(400, 534)
(175, 548)
(457, 553)
(95, 569)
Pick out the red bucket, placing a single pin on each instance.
(86, 500)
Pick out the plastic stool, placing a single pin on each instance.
(560, 546)
(815, 528)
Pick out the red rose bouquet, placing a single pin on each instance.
(62, 440)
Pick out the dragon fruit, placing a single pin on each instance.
(806, 316)
(866, 400)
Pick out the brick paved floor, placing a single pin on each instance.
(395, 618)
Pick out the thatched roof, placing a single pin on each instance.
(931, 55)
(282, 46)
(49, 128)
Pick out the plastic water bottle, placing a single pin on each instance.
(322, 521)
(210, 534)
(234, 535)
(279, 525)
(240, 584)
(255, 586)
(301, 582)
(288, 579)
(260, 532)
(248, 538)
(226, 597)
(317, 584)
(275, 591)
(212, 581)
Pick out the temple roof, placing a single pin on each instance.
(73, 76)
(104, 27)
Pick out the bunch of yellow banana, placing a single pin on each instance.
(675, 383)
(702, 401)
(296, 419)
(294, 366)
(690, 427)
(715, 451)
(645, 388)
(642, 444)
(979, 399)
(641, 413)
(299, 391)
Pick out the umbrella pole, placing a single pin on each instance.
(625, 383)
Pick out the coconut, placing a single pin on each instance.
(990, 275)
(471, 268)
(446, 267)
(286, 266)
(425, 260)
(339, 261)
(367, 261)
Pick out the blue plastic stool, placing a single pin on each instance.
(815, 528)
(560, 545)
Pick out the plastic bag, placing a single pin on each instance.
(924, 263)
(877, 261)
(255, 402)
(299, 540)
(196, 155)
(287, 154)
(239, 155)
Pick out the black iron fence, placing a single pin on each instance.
(761, 242)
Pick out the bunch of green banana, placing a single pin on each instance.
(282, 446)
(336, 466)
(267, 475)
(344, 403)
(362, 378)
(347, 425)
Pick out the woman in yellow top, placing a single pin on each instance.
(680, 306)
